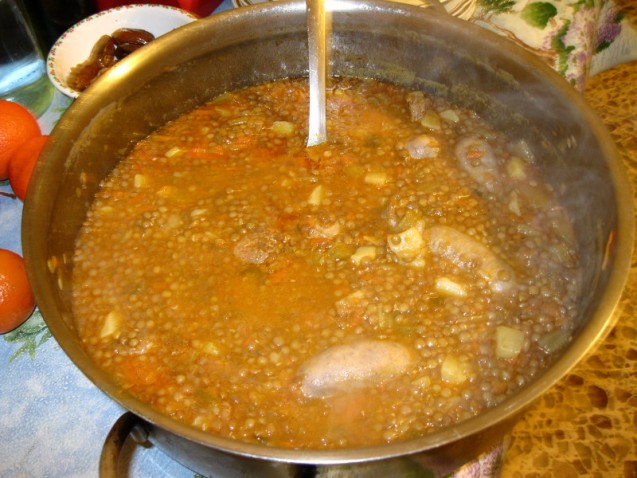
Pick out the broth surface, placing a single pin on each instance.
(406, 275)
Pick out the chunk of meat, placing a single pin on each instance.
(465, 252)
(423, 146)
(476, 157)
(407, 245)
(353, 366)
(354, 303)
(418, 105)
(258, 247)
(320, 227)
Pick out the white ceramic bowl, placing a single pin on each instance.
(75, 45)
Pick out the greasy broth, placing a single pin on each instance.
(406, 275)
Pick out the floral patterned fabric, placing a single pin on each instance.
(577, 38)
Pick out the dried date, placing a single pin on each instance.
(108, 50)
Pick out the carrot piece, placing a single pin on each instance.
(201, 153)
(139, 372)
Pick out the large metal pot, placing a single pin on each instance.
(421, 48)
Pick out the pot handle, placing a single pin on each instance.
(127, 424)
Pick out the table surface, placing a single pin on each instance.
(53, 420)
(587, 424)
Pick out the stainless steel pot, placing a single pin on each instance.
(421, 48)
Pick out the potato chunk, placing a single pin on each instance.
(508, 342)
(112, 324)
(453, 370)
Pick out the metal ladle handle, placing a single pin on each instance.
(317, 57)
(316, 30)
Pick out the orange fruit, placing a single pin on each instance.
(16, 298)
(17, 124)
(22, 162)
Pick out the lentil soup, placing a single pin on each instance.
(406, 275)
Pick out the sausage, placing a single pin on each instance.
(477, 158)
(463, 250)
(354, 365)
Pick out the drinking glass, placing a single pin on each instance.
(23, 77)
